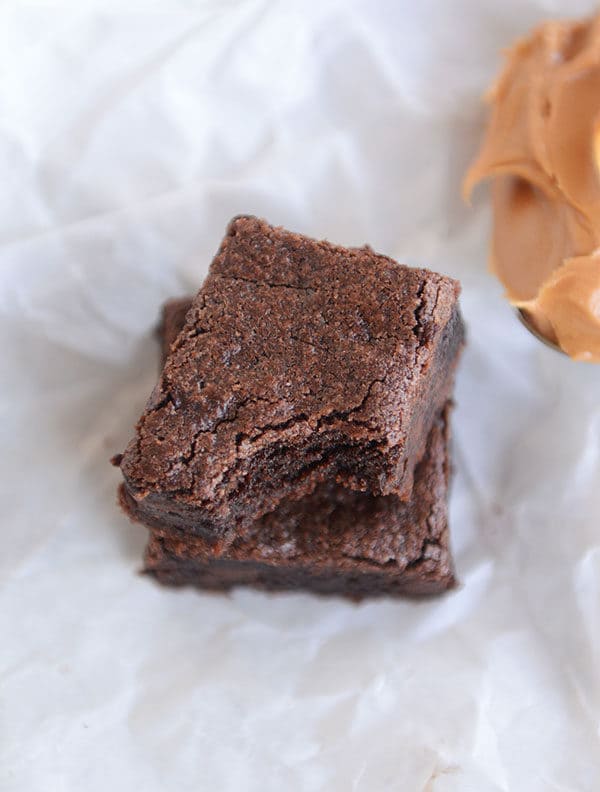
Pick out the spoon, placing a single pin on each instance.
(524, 319)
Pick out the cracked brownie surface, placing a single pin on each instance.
(299, 363)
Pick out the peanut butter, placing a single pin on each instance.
(542, 154)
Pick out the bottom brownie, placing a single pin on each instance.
(335, 541)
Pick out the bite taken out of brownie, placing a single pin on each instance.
(300, 363)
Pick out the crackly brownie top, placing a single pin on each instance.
(288, 336)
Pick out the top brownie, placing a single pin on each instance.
(299, 362)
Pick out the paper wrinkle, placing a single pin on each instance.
(128, 141)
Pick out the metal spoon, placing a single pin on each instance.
(528, 324)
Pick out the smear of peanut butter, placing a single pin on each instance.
(542, 154)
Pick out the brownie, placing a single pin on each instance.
(333, 541)
(299, 363)
(171, 322)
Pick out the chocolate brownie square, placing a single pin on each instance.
(299, 363)
(333, 541)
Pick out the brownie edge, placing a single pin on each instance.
(172, 320)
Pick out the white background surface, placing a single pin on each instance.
(127, 140)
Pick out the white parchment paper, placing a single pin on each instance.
(128, 138)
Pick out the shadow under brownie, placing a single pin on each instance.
(334, 541)
(299, 363)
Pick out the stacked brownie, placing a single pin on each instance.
(298, 434)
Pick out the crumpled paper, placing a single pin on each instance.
(127, 140)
